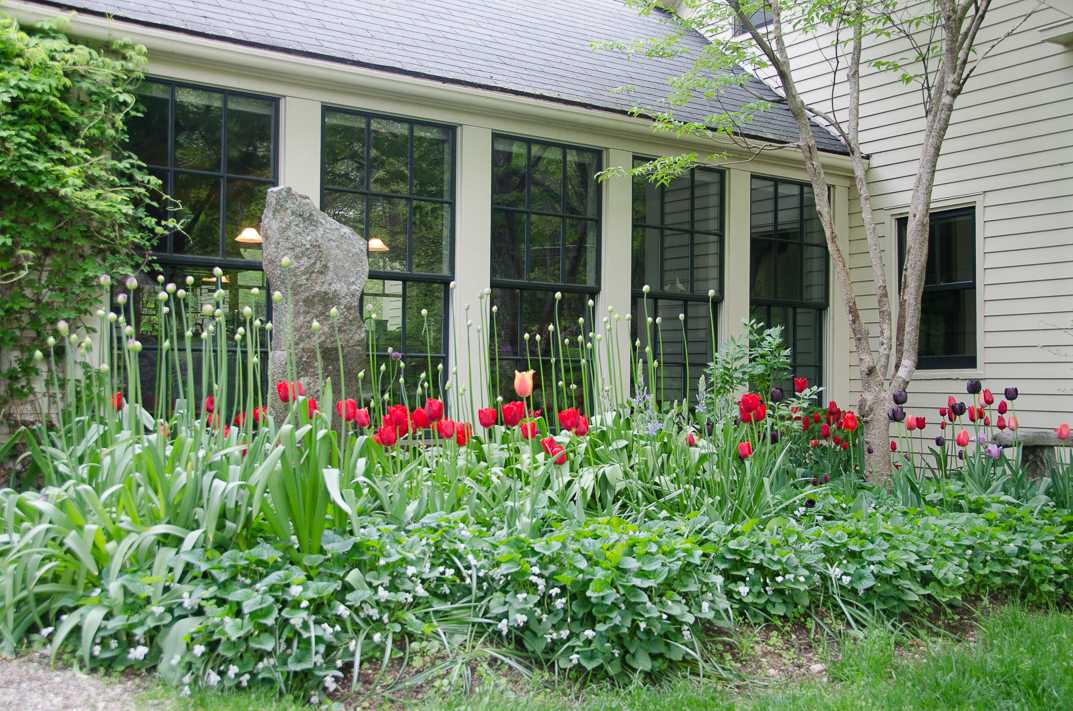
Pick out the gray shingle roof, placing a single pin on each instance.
(533, 47)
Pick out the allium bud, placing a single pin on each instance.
(277, 297)
(646, 288)
(121, 299)
(206, 309)
(316, 326)
(247, 311)
(162, 296)
(132, 283)
(334, 313)
(112, 317)
(62, 327)
(38, 356)
(106, 280)
(217, 272)
(170, 288)
(189, 281)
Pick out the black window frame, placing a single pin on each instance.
(167, 260)
(690, 299)
(524, 357)
(794, 306)
(414, 359)
(944, 362)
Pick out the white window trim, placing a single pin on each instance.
(893, 214)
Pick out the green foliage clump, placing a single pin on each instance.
(75, 203)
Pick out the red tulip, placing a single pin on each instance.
(260, 414)
(117, 402)
(547, 443)
(849, 422)
(800, 385)
(513, 412)
(240, 419)
(691, 440)
(760, 412)
(962, 439)
(446, 428)
(286, 391)
(487, 417)
(582, 428)
(833, 409)
(312, 404)
(420, 419)
(227, 430)
(1063, 431)
(1002, 407)
(845, 445)
(434, 410)
(893, 446)
(805, 424)
(921, 422)
(989, 399)
(399, 414)
(942, 425)
(942, 412)
(910, 423)
(987, 420)
(214, 420)
(745, 450)
(529, 430)
(568, 418)
(814, 444)
(210, 404)
(749, 402)
(1000, 422)
(816, 417)
(561, 459)
(361, 418)
(347, 410)
(825, 431)
(838, 440)
(950, 401)
(1012, 424)
(463, 431)
(386, 436)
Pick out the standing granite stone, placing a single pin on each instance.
(329, 268)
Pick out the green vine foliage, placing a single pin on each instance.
(73, 203)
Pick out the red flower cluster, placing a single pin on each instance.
(554, 450)
(290, 391)
(572, 420)
(750, 409)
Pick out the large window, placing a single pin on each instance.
(948, 308)
(391, 180)
(215, 152)
(678, 254)
(545, 239)
(788, 269)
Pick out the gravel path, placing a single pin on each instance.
(28, 683)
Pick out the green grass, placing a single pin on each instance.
(1022, 660)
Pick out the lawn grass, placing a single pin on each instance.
(1021, 660)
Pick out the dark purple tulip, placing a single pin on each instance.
(961, 454)
(1011, 394)
(869, 449)
(775, 436)
(973, 387)
(776, 395)
(737, 421)
(939, 441)
(905, 456)
(815, 481)
(959, 408)
(900, 397)
(826, 478)
(896, 415)
(711, 428)
(809, 503)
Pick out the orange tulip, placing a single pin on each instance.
(523, 383)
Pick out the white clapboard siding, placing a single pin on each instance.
(1009, 151)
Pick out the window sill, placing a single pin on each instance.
(949, 374)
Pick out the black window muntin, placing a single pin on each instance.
(417, 361)
(514, 298)
(801, 316)
(936, 289)
(692, 302)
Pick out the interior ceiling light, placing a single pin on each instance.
(249, 235)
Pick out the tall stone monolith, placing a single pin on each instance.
(329, 265)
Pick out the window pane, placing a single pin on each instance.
(432, 162)
(646, 200)
(245, 203)
(199, 293)
(699, 335)
(387, 221)
(954, 240)
(807, 340)
(762, 270)
(672, 346)
(645, 256)
(508, 245)
(948, 323)
(161, 198)
(508, 172)
(676, 203)
(546, 175)
(789, 211)
(815, 274)
(249, 136)
(386, 299)
(708, 201)
(423, 295)
(198, 129)
(390, 157)
(707, 264)
(762, 222)
(580, 252)
(347, 208)
(148, 133)
(199, 215)
(675, 262)
(545, 252)
(238, 286)
(582, 190)
(788, 270)
(813, 227)
(432, 232)
(344, 150)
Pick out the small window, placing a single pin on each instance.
(545, 239)
(678, 253)
(948, 307)
(760, 18)
(391, 180)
